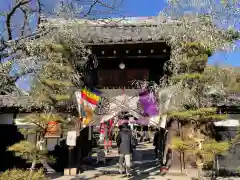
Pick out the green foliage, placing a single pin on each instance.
(201, 115)
(226, 78)
(37, 153)
(186, 77)
(210, 148)
(39, 122)
(30, 152)
(53, 88)
(180, 145)
(7, 83)
(200, 84)
(17, 174)
(199, 81)
(234, 33)
(194, 57)
(54, 82)
(214, 147)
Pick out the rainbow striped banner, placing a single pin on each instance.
(90, 97)
(87, 102)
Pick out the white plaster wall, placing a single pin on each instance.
(20, 117)
(51, 142)
(31, 138)
(6, 118)
(232, 120)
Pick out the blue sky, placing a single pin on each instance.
(136, 8)
(129, 8)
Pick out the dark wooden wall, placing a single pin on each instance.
(143, 61)
(9, 135)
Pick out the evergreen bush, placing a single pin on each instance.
(18, 174)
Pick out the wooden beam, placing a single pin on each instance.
(133, 57)
(123, 42)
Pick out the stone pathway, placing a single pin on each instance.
(144, 167)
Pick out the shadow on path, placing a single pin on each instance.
(145, 166)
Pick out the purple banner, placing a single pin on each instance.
(149, 104)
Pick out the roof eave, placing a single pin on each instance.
(124, 42)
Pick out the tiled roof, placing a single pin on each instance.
(117, 30)
(126, 30)
(119, 34)
(25, 102)
(16, 101)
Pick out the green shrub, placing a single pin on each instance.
(18, 174)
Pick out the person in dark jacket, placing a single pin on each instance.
(126, 146)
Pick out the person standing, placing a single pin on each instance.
(126, 146)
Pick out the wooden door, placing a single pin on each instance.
(117, 77)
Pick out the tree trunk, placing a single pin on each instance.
(181, 163)
(44, 160)
(183, 157)
(199, 168)
(199, 173)
(33, 166)
(183, 152)
(199, 162)
(46, 166)
(165, 152)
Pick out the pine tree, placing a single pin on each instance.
(53, 89)
(33, 154)
(197, 109)
(57, 54)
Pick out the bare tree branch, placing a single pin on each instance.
(17, 45)
(112, 5)
(25, 21)
(91, 7)
(39, 12)
(11, 13)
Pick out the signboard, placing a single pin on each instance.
(53, 130)
(71, 138)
